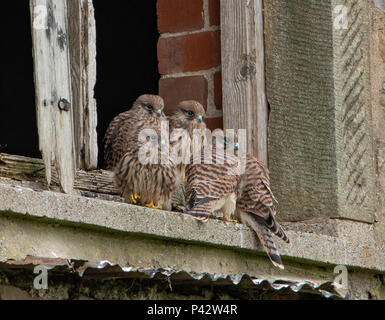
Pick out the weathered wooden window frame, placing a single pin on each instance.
(243, 72)
(64, 50)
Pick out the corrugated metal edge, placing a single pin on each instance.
(105, 268)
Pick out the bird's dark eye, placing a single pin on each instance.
(149, 107)
(190, 114)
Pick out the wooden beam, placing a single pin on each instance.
(30, 169)
(243, 77)
(82, 46)
(53, 84)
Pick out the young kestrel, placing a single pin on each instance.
(212, 185)
(187, 117)
(146, 112)
(255, 207)
(139, 181)
(179, 197)
(149, 183)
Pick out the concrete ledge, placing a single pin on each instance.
(108, 216)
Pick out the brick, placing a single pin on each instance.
(170, 55)
(175, 90)
(180, 15)
(215, 12)
(192, 52)
(214, 123)
(218, 90)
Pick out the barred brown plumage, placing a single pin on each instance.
(149, 184)
(255, 207)
(212, 186)
(153, 182)
(188, 115)
(146, 112)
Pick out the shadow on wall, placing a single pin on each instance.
(18, 128)
(127, 64)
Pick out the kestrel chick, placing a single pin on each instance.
(212, 186)
(146, 112)
(212, 140)
(189, 116)
(255, 207)
(149, 183)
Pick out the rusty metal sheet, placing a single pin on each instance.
(106, 269)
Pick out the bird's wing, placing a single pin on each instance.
(110, 136)
(206, 184)
(257, 198)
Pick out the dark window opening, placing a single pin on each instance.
(18, 127)
(127, 64)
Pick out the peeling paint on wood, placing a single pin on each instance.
(82, 37)
(52, 82)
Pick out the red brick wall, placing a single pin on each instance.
(189, 54)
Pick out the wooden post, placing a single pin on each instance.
(53, 88)
(243, 77)
(82, 46)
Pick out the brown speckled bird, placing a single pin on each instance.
(146, 112)
(188, 115)
(255, 207)
(150, 184)
(210, 189)
(212, 186)
(179, 197)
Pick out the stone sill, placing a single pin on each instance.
(110, 216)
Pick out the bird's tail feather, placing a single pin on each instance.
(272, 225)
(201, 210)
(264, 236)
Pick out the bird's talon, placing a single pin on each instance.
(134, 198)
(152, 205)
(229, 220)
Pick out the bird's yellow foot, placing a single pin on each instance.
(134, 198)
(229, 220)
(184, 180)
(152, 205)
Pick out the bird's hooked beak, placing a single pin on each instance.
(159, 112)
(200, 118)
(236, 146)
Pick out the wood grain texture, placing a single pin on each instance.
(53, 82)
(82, 45)
(24, 168)
(243, 77)
(30, 169)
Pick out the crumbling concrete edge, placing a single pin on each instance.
(120, 217)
